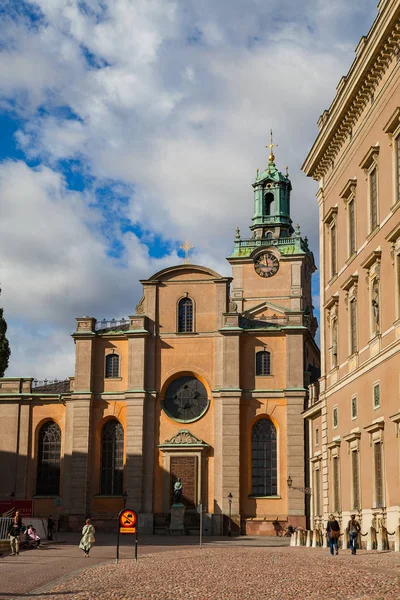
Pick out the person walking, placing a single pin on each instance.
(50, 527)
(87, 540)
(333, 533)
(353, 529)
(14, 531)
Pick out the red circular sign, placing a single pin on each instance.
(128, 518)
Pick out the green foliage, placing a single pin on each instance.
(5, 351)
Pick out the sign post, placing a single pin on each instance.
(127, 521)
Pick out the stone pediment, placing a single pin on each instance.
(265, 310)
(184, 438)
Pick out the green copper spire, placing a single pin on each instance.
(272, 200)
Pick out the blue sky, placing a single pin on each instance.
(127, 127)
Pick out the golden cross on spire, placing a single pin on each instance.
(271, 147)
(186, 247)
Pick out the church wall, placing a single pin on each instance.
(104, 410)
(258, 289)
(166, 428)
(204, 297)
(104, 346)
(261, 510)
(252, 343)
(43, 411)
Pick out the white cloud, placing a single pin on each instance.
(174, 100)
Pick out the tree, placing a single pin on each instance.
(4, 345)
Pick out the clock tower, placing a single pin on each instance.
(272, 268)
(278, 356)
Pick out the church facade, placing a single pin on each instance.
(207, 382)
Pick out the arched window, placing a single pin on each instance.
(263, 459)
(263, 363)
(49, 456)
(185, 315)
(269, 204)
(112, 365)
(112, 458)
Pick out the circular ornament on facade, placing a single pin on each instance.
(266, 264)
(186, 399)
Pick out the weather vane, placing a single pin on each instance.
(186, 247)
(271, 147)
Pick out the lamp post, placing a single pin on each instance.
(230, 514)
(304, 490)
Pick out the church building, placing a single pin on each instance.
(206, 381)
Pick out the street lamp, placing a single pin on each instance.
(230, 514)
(303, 490)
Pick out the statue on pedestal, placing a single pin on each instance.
(178, 491)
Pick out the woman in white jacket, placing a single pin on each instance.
(87, 540)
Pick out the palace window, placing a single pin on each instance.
(335, 418)
(373, 178)
(112, 365)
(264, 459)
(263, 363)
(336, 483)
(398, 167)
(112, 458)
(353, 326)
(352, 227)
(333, 250)
(355, 479)
(378, 475)
(49, 458)
(185, 315)
(377, 395)
(317, 500)
(354, 407)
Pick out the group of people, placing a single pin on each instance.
(333, 534)
(17, 532)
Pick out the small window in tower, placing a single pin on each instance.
(269, 204)
(112, 365)
(263, 363)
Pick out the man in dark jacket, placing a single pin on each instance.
(14, 531)
(353, 529)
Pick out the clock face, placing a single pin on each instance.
(266, 265)
(186, 399)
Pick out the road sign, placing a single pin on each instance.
(127, 520)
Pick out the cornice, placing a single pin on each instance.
(374, 54)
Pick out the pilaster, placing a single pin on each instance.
(81, 449)
(295, 451)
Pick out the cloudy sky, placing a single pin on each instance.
(127, 126)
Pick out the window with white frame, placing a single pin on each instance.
(373, 199)
(317, 496)
(370, 165)
(352, 226)
(397, 167)
(335, 417)
(333, 244)
(355, 476)
(354, 410)
(336, 483)
(353, 326)
(378, 464)
(377, 395)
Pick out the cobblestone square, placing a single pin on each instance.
(221, 572)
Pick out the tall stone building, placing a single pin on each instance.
(354, 421)
(206, 382)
